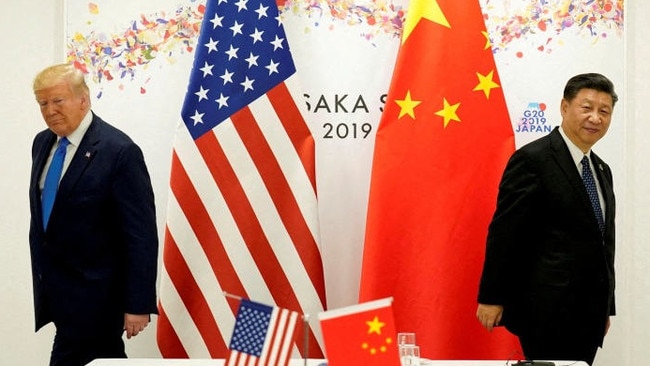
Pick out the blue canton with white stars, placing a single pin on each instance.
(242, 53)
(251, 328)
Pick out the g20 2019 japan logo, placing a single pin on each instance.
(534, 119)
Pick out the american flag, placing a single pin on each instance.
(262, 336)
(242, 211)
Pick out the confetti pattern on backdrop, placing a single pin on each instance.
(108, 57)
(374, 17)
(538, 25)
(514, 25)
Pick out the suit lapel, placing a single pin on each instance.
(567, 165)
(82, 158)
(40, 159)
(44, 147)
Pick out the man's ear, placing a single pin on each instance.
(564, 104)
(85, 102)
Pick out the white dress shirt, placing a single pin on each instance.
(75, 139)
(577, 155)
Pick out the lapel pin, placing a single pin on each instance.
(87, 155)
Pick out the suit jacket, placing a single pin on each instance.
(546, 261)
(98, 257)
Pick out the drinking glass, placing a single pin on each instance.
(409, 355)
(406, 339)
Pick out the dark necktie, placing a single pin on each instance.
(590, 184)
(52, 179)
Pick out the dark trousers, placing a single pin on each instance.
(78, 348)
(557, 347)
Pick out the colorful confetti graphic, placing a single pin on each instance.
(119, 56)
(372, 17)
(517, 26)
(539, 25)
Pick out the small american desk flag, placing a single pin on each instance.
(263, 335)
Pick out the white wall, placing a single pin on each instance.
(32, 34)
(629, 341)
(30, 38)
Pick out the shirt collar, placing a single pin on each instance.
(576, 153)
(77, 135)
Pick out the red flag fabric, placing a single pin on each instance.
(263, 335)
(441, 147)
(242, 213)
(361, 334)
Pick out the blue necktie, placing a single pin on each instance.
(52, 179)
(590, 184)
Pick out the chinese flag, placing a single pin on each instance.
(361, 334)
(441, 147)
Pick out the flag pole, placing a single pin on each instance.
(226, 294)
(305, 339)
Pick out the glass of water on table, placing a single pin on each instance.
(409, 352)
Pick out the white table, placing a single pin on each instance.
(293, 362)
(182, 362)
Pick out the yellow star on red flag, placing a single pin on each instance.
(448, 112)
(488, 43)
(429, 10)
(374, 326)
(407, 105)
(486, 83)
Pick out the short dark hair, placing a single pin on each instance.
(589, 81)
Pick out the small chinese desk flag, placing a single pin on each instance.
(362, 334)
(263, 335)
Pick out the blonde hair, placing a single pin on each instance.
(56, 74)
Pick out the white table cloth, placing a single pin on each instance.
(293, 362)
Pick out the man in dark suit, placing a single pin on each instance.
(94, 243)
(548, 274)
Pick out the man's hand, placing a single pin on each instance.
(135, 323)
(489, 315)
